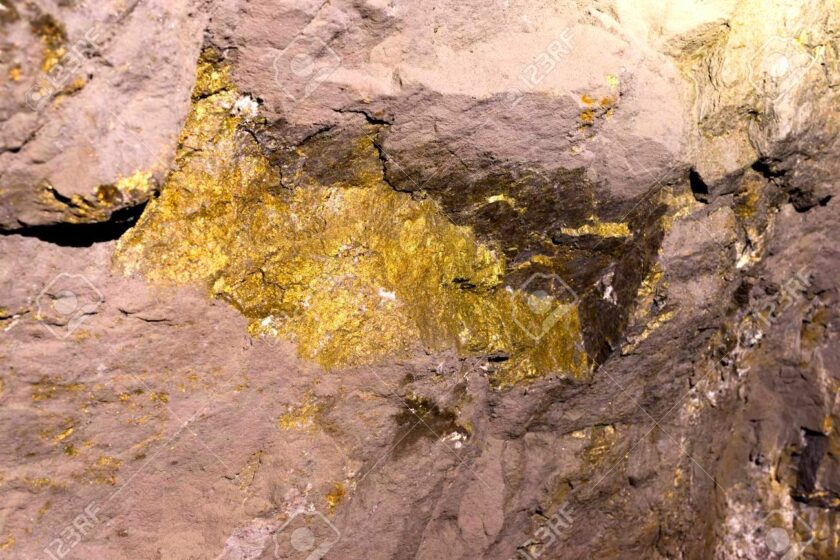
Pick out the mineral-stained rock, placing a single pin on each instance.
(93, 97)
(392, 279)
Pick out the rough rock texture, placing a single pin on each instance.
(94, 93)
(674, 163)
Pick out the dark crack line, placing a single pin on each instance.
(368, 117)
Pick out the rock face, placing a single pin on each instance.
(390, 279)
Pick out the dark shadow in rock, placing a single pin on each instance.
(809, 462)
(85, 234)
(419, 418)
(698, 186)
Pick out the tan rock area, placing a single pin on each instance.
(392, 279)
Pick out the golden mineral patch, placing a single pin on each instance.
(104, 470)
(601, 441)
(302, 417)
(46, 389)
(53, 37)
(351, 271)
(8, 542)
(598, 228)
(335, 496)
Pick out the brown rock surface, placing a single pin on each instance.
(673, 163)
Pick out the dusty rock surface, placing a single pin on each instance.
(674, 162)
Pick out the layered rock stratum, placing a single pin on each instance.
(391, 279)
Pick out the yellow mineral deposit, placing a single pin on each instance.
(46, 389)
(8, 542)
(335, 496)
(53, 37)
(299, 418)
(64, 435)
(599, 228)
(104, 470)
(352, 271)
